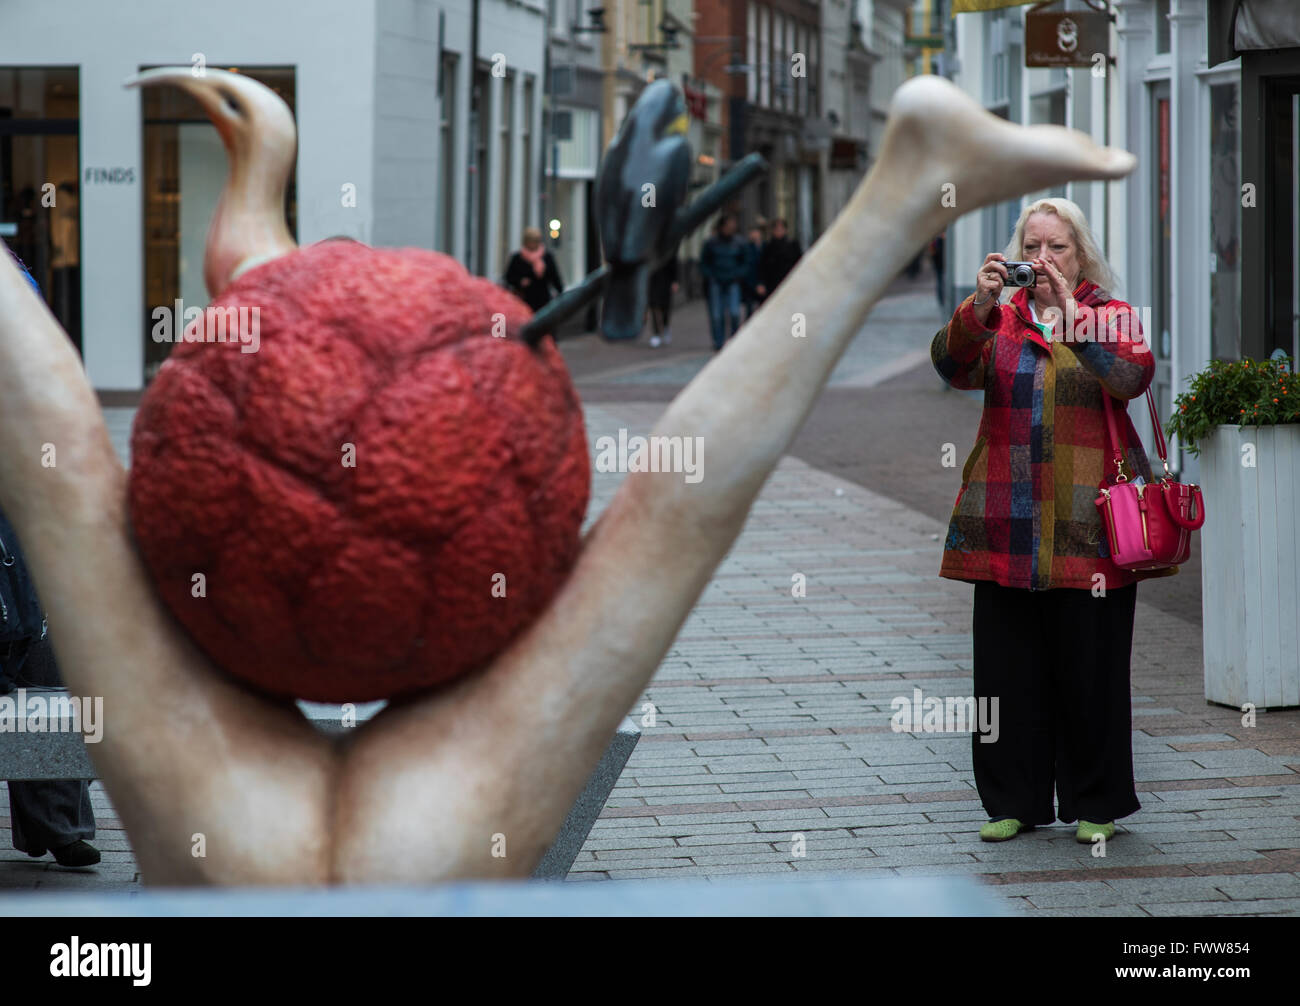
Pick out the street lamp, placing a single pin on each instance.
(669, 32)
(597, 26)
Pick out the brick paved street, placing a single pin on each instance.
(772, 713)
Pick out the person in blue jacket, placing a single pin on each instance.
(51, 815)
(724, 264)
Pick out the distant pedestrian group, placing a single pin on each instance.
(742, 271)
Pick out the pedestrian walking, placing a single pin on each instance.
(663, 284)
(779, 256)
(1053, 614)
(532, 273)
(753, 251)
(722, 265)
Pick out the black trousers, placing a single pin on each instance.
(1058, 663)
(51, 813)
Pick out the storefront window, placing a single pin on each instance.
(999, 220)
(1049, 109)
(1161, 239)
(447, 223)
(1162, 25)
(1225, 223)
(479, 176)
(527, 167)
(506, 238)
(40, 213)
(185, 169)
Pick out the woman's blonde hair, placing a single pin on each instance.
(1092, 263)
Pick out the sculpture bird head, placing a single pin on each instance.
(258, 132)
(642, 185)
(662, 108)
(384, 493)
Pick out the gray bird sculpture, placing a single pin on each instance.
(642, 184)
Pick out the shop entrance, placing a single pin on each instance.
(40, 214)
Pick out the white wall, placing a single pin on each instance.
(331, 44)
(964, 250)
(516, 30)
(407, 124)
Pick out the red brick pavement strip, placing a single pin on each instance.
(1269, 862)
(924, 796)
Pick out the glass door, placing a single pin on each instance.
(1282, 224)
(40, 213)
(1295, 231)
(1225, 222)
(1159, 337)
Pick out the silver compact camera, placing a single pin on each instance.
(1021, 274)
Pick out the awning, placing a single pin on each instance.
(971, 6)
(1237, 26)
(1267, 24)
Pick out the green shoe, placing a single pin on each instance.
(1001, 831)
(1087, 831)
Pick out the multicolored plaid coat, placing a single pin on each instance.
(1025, 514)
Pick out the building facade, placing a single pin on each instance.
(402, 140)
(576, 138)
(772, 81)
(847, 68)
(1186, 232)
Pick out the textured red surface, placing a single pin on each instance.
(340, 583)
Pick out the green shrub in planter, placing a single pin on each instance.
(1239, 393)
(1242, 419)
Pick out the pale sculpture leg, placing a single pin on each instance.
(419, 794)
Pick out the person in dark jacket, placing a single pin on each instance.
(753, 251)
(722, 265)
(50, 815)
(779, 256)
(532, 273)
(936, 256)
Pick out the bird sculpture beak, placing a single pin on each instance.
(248, 225)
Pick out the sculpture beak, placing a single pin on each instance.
(260, 137)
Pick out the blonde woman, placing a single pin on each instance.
(531, 273)
(1053, 615)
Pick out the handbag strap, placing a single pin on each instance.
(1116, 450)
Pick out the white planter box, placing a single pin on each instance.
(1250, 566)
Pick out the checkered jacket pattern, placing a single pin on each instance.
(1025, 514)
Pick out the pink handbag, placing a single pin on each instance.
(1147, 526)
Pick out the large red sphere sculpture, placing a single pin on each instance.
(380, 497)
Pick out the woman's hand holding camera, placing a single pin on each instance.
(988, 284)
(1055, 298)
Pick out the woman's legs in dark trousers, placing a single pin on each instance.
(1058, 662)
(661, 312)
(52, 813)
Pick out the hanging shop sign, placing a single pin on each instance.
(1073, 38)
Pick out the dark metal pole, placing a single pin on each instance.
(473, 192)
